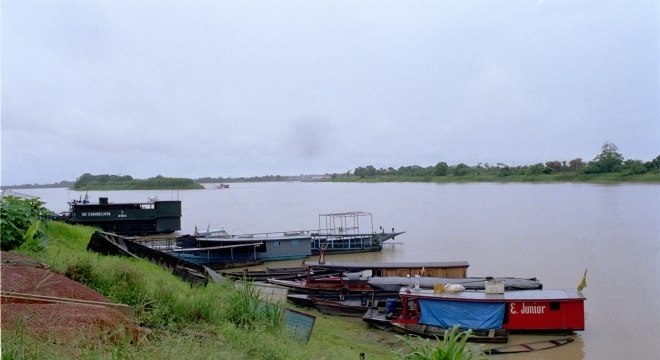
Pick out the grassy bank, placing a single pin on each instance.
(183, 322)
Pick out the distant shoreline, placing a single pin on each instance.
(611, 178)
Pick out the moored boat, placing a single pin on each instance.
(141, 218)
(560, 310)
(352, 307)
(290, 273)
(349, 232)
(329, 285)
(469, 283)
(272, 246)
(447, 269)
(529, 346)
(430, 331)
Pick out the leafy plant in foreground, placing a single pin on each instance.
(452, 347)
(18, 217)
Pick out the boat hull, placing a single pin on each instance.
(430, 331)
(354, 308)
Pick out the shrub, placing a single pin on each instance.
(17, 219)
(452, 347)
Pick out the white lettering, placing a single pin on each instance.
(98, 213)
(532, 309)
(513, 308)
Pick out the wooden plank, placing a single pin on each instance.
(33, 298)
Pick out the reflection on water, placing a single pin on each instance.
(549, 231)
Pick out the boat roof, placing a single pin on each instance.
(347, 213)
(264, 238)
(389, 265)
(513, 295)
(216, 247)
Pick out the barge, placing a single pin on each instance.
(131, 219)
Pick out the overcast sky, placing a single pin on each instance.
(250, 88)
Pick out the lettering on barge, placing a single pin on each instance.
(96, 213)
(526, 309)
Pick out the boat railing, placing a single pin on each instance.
(272, 234)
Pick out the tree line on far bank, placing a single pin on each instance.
(609, 161)
(126, 182)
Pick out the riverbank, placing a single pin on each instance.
(179, 321)
(609, 178)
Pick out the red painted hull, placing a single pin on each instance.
(525, 311)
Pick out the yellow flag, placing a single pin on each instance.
(583, 282)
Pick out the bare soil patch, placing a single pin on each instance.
(61, 322)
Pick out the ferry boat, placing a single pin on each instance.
(560, 310)
(261, 247)
(348, 232)
(133, 219)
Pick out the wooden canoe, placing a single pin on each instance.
(530, 346)
(430, 331)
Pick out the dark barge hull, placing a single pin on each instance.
(154, 217)
(111, 244)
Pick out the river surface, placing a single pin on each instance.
(549, 231)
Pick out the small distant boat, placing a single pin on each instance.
(348, 232)
(223, 186)
(430, 331)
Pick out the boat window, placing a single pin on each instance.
(555, 305)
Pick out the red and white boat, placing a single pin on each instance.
(517, 311)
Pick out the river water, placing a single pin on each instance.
(549, 231)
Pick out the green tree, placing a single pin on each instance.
(609, 160)
(633, 167)
(441, 169)
(461, 170)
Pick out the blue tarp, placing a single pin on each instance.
(465, 314)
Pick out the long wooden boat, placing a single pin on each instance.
(291, 273)
(430, 331)
(378, 318)
(348, 232)
(552, 311)
(353, 307)
(446, 269)
(528, 347)
(333, 285)
(112, 244)
(469, 283)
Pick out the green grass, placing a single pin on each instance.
(220, 321)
